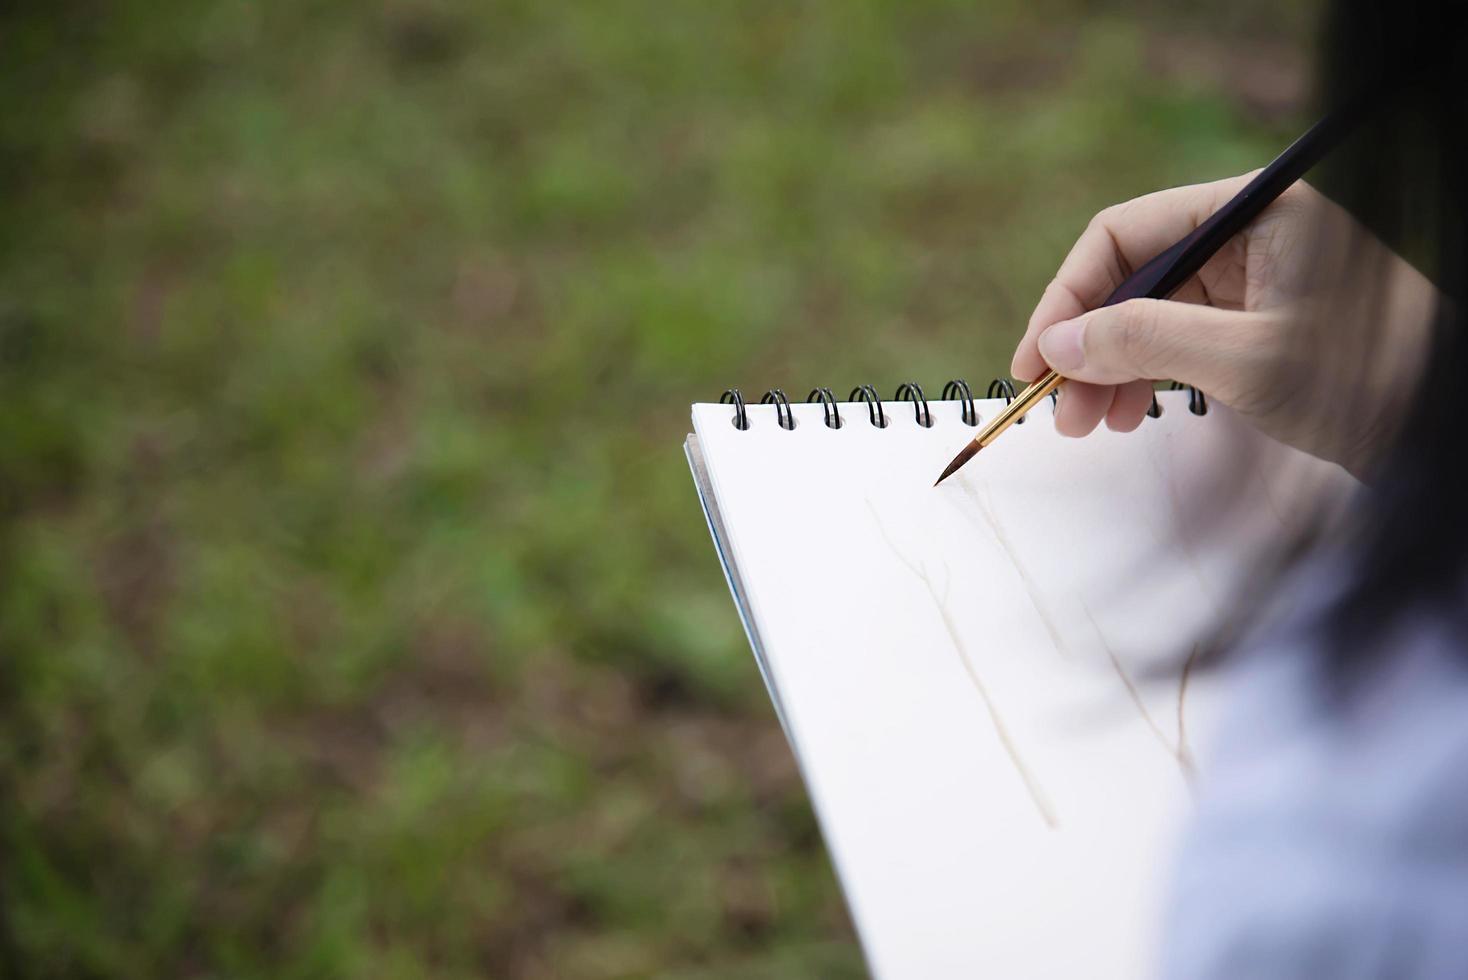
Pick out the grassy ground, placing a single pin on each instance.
(357, 617)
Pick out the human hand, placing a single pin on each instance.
(1241, 329)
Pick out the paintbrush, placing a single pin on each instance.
(1168, 270)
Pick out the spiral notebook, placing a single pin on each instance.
(988, 685)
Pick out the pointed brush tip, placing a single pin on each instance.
(969, 452)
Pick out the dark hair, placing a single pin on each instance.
(1403, 177)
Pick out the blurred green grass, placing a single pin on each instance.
(357, 617)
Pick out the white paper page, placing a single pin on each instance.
(970, 674)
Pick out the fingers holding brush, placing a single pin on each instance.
(1117, 241)
(1143, 339)
(1109, 355)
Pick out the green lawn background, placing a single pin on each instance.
(357, 617)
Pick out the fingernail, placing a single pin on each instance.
(1061, 345)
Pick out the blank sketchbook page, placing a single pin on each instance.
(986, 683)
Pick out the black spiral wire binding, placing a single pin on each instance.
(783, 415)
(868, 394)
(913, 392)
(828, 405)
(958, 388)
(731, 396)
(1197, 404)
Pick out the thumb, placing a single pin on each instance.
(1152, 338)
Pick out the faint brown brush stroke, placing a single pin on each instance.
(1031, 590)
(1032, 785)
(1178, 751)
(1184, 752)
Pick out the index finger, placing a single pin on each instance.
(1117, 241)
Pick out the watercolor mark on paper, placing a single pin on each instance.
(1032, 785)
(1177, 749)
(996, 530)
(1185, 754)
